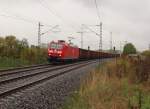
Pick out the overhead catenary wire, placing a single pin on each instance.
(21, 18)
(50, 29)
(91, 30)
(51, 11)
(97, 10)
(18, 18)
(99, 17)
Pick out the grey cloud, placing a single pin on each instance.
(127, 19)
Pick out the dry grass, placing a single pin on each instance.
(110, 87)
(102, 92)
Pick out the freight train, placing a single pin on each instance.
(61, 51)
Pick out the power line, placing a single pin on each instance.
(97, 9)
(33, 22)
(70, 39)
(81, 32)
(42, 2)
(91, 30)
(18, 18)
(51, 29)
(100, 25)
(22, 18)
(110, 40)
(40, 34)
(101, 33)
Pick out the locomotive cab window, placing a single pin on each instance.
(56, 46)
(59, 46)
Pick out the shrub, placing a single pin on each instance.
(18, 51)
(129, 49)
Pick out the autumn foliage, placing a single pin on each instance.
(13, 49)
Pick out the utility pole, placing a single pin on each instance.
(101, 40)
(101, 43)
(120, 48)
(70, 39)
(149, 46)
(81, 32)
(39, 34)
(100, 35)
(110, 41)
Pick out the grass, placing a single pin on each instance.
(6, 63)
(105, 88)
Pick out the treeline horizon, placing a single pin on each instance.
(14, 49)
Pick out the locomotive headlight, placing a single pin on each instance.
(59, 52)
(50, 51)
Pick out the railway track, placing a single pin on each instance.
(23, 69)
(11, 83)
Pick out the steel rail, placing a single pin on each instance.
(7, 80)
(24, 69)
(19, 68)
(16, 89)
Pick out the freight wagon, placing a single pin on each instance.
(61, 52)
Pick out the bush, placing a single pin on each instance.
(6, 62)
(14, 52)
(146, 53)
(129, 49)
(120, 68)
(105, 88)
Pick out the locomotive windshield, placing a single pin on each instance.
(56, 46)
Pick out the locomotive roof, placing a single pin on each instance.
(65, 43)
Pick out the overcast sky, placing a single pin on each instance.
(128, 20)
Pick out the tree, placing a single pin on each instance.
(22, 47)
(146, 53)
(19, 50)
(24, 43)
(2, 44)
(129, 48)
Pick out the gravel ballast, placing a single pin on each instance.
(48, 95)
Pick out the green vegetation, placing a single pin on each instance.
(129, 49)
(121, 84)
(146, 53)
(15, 53)
(11, 63)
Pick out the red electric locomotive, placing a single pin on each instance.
(62, 51)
